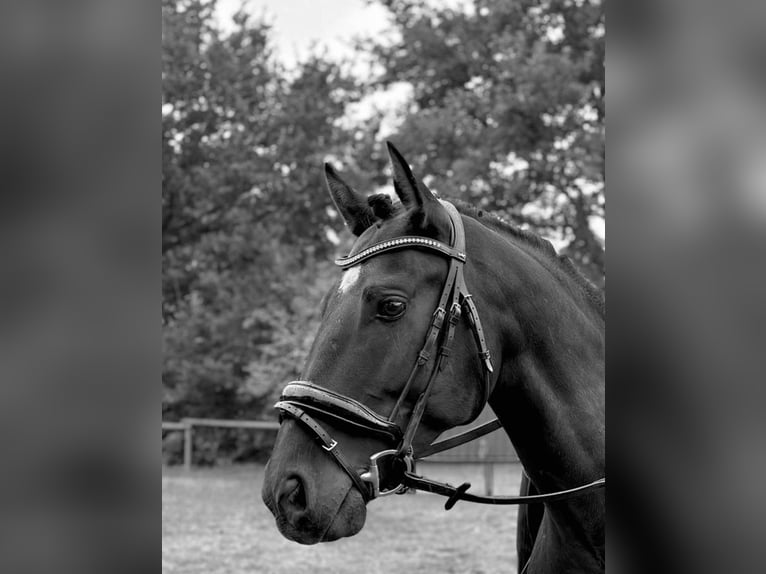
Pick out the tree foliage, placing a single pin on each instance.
(245, 218)
(507, 110)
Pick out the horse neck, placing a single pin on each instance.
(550, 389)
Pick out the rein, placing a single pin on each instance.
(301, 399)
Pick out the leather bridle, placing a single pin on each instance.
(302, 399)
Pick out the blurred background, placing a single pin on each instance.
(497, 103)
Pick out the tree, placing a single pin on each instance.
(507, 109)
(245, 218)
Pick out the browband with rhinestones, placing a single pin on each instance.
(400, 243)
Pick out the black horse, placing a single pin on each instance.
(372, 388)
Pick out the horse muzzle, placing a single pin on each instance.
(312, 508)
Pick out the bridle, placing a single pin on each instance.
(301, 399)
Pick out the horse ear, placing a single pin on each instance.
(411, 192)
(351, 204)
(427, 213)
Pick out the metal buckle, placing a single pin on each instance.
(333, 444)
(455, 312)
(437, 319)
(373, 474)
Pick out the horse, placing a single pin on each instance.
(394, 364)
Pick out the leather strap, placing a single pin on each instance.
(343, 409)
(449, 291)
(452, 442)
(424, 356)
(478, 331)
(455, 493)
(329, 445)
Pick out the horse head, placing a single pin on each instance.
(375, 320)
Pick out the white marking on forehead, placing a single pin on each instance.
(350, 276)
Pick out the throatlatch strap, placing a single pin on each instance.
(457, 440)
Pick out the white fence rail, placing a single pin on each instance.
(486, 451)
(187, 427)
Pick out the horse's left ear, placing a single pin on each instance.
(411, 192)
(414, 194)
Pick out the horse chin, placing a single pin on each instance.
(327, 524)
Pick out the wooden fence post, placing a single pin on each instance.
(489, 468)
(187, 445)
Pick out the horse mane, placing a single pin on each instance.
(594, 295)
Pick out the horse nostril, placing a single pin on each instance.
(292, 495)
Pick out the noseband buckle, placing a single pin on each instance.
(372, 476)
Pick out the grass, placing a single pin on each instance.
(213, 521)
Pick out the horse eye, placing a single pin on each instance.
(391, 309)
